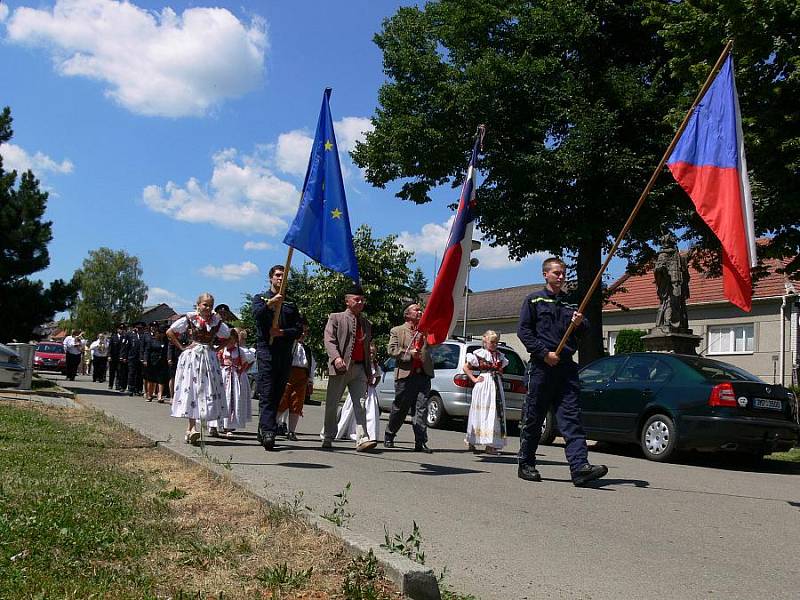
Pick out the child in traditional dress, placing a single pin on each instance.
(235, 361)
(300, 384)
(199, 392)
(486, 424)
(346, 428)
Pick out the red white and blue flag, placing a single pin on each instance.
(447, 295)
(709, 163)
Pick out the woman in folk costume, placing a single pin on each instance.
(199, 393)
(346, 428)
(487, 423)
(300, 384)
(235, 361)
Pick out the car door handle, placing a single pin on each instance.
(647, 392)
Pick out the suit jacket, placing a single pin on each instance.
(399, 340)
(114, 346)
(340, 339)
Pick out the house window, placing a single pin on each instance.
(730, 339)
(612, 343)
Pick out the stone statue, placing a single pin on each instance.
(672, 283)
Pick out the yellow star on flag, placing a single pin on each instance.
(336, 213)
(328, 145)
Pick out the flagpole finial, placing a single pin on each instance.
(480, 132)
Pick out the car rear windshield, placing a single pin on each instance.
(51, 348)
(717, 371)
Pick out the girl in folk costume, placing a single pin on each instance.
(300, 384)
(199, 393)
(346, 428)
(235, 361)
(487, 423)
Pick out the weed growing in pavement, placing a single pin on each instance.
(339, 515)
(409, 546)
(282, 579)
(361, 577)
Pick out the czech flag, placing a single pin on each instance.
(709, 163)
(447, 295)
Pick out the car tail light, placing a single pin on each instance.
(518, 387)
(722, 395)
(463, 381)
(37, 359)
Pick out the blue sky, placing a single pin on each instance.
(180, 133)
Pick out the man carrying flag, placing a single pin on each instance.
(709, 163)
(321, 229)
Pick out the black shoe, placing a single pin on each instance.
(588, 473)
(291, 436)
(282, 429)
(528, 473)
(388, 442)
(422, 448)
(268, 440)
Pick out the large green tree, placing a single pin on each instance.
(387, 277)
(111, 290)
(24, 236)
(580, 99)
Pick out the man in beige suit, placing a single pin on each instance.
(412, 379)
(347, 338)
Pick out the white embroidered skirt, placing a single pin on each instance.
(199, 392)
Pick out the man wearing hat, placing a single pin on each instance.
(135, 345)
(114, 347)
(412, 379)
(273, 352)
(347, 338)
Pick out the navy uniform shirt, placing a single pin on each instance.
(289, 321)
(544, 320)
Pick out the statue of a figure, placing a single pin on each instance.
(672, 282)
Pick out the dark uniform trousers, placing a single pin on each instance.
(274, 366)
(410, 393)
(122, 375)
(113, 369)
(557, 387)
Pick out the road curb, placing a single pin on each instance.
(414, 580)
(60, 393)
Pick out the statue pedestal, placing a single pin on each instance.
(679, 342)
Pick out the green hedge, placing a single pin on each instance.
(630, 340)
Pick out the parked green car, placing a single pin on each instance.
(671, 402)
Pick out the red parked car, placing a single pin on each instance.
(50, 356)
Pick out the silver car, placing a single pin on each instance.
(451, 389)
(11, 371)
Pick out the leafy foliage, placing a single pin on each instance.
(629, 340)
(23, 242)
(111, 290)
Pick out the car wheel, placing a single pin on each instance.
(658, 438)
(548, 428)
(436, 412)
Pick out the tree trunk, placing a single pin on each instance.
(590, 345)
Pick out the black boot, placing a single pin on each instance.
(528, 473)
(588, 473)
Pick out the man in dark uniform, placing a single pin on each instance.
(135, 346)
(552, 378)
(274, 357)
(114, 346)
(122, 370)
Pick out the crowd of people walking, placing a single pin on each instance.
(201, 363)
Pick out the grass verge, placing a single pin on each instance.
(792, 455)
(90, 509)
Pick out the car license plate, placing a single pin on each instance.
(507, 386)
(769, 403)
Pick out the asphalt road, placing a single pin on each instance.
(704, 528)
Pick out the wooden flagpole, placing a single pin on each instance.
(648, 188)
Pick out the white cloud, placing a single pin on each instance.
(243, 195)
(351, 130)
(157, 295)
(17, 159)
(3, 12)
(292, 152)
(230, 272)
(153, 63)
(432, 239)
(250, 245)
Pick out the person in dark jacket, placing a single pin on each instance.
(273, 352)
(154, 362)
(135, 339)
(114, 347)
(552, 378)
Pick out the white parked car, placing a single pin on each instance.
(11, 371)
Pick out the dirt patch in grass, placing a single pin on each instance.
(167, 528)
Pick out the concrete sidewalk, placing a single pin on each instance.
(686, 531)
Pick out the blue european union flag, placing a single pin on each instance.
(321, 228)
